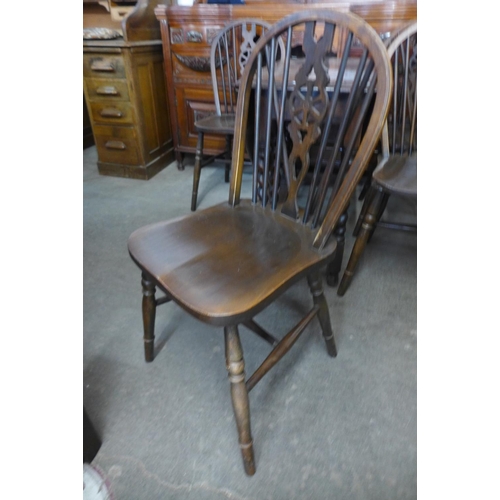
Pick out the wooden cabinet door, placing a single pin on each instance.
(148, 78)
(193, 104)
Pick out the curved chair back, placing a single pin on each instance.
(229, 54)
(335, 104)
(400, 131)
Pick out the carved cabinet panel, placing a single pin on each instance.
(193, 104)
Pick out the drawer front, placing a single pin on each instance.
(117, 145)
(112, 112)
(105, 66)
(108, 89)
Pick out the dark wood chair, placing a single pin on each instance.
(226, 263)
(396, 173)
(229, 53)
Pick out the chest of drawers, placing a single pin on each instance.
(124, 85)
(124, 89)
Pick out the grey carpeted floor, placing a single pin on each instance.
(323, 428)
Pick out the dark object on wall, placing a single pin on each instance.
(91, 441)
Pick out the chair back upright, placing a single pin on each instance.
(336, 99)
(400, 131)
(229, 53)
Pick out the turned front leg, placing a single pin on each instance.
(314, 281)
(148, 315)
(368, 199)
(235, 365)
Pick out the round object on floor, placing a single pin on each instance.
(95, 486)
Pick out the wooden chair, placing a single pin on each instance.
(226, 263)
(396, 173)
(229, 53)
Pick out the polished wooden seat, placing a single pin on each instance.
(224, 124)
(396, 173)
(226, 263)
(219, 247)
(229, 53)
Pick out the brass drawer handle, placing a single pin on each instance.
(111, 113)
(102, 65)
(107, 91)
(115, 145)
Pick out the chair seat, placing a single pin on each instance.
(398, 175)
(220, 124)
(225, 264)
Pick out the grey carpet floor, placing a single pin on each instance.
(343, 428)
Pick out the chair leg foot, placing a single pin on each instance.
(314, 281)
(366, 229)
(197, 170)
(235, 365)
(180, 161)
(344, 284)
(148, 315)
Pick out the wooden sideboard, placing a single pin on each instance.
(187, 33)
(125, 91)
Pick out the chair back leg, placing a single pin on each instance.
(148, 315)
(314, 281)
(197, 170)
(333, 268)
(369, 221)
